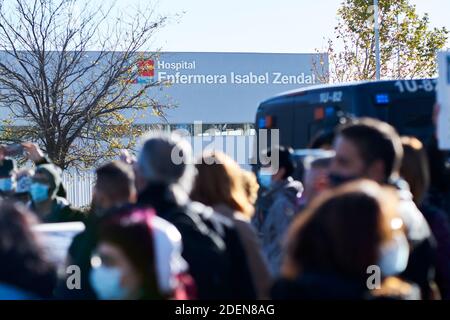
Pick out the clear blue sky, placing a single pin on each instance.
(262, 25)
(258, 25)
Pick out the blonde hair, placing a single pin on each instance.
(220, 181)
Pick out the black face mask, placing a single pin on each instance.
(337, 179)
(96, 208)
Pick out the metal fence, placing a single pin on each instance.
(238, 146)
(79, 188)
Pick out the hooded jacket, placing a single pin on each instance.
(61, 211)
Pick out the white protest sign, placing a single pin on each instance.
(443, 98)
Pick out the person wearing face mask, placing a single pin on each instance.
(372, 149)
(138, 257)
(277, 204)
(333, 243)
(44, 200)
(32, 152)
(7, 178)
(113, 190)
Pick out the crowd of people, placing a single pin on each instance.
(367, 220)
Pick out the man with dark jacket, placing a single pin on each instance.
(114, 190)
(211, 245)
(372, 149)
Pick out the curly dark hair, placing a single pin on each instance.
(23, 263)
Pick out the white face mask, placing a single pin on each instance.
(394, 256)
(106, 283)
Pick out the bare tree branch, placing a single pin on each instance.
(68, 95)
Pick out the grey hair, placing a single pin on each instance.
(167, 158)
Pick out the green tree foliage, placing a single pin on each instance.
(408, 44)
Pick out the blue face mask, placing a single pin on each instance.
(265, 179)
(106, 283)
(6, 184)
(39, 192)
